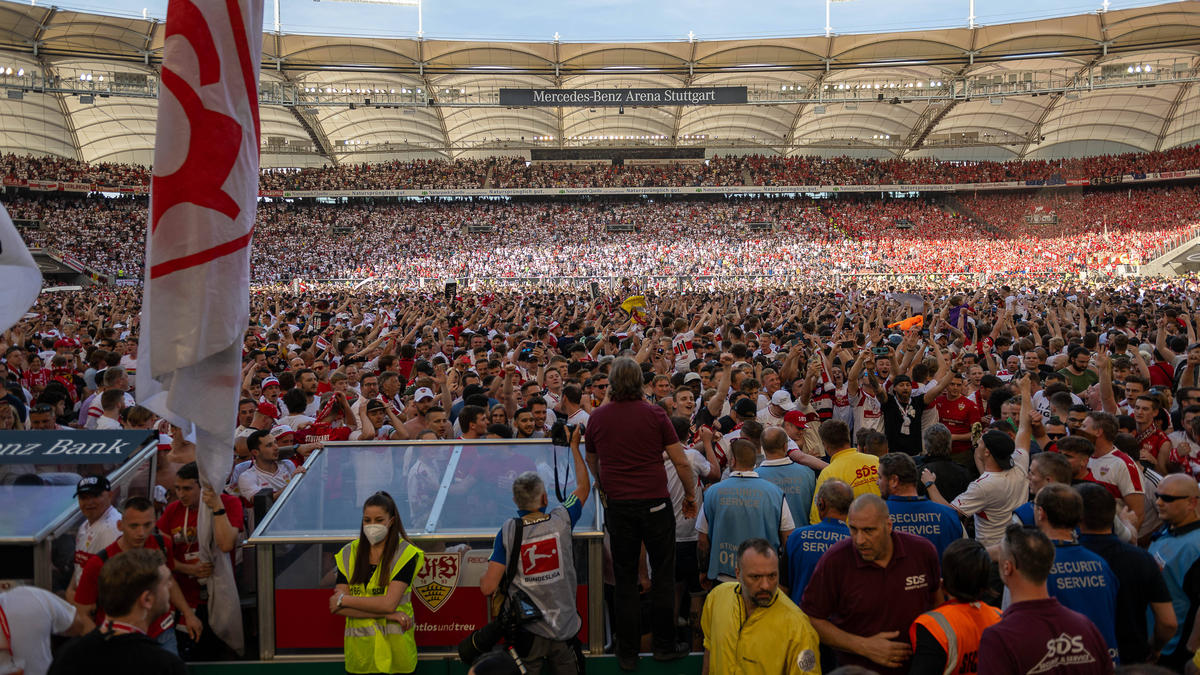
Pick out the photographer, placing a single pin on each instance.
(543, 574)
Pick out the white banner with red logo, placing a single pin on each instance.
(202, 204)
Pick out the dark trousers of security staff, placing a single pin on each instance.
(632, 523)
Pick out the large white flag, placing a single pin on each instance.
(203, 195)
(20, 277)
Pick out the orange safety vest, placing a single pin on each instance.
(958, 627)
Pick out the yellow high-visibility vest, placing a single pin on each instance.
(379, 645)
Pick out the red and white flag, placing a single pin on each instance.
(203, 196)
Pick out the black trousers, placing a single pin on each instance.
(631, 524)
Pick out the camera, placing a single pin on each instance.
(517, 611)
(560, 433)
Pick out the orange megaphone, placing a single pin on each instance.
(911, 322)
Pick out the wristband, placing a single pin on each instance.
(929, 484)
(219, 512)
(339, 600)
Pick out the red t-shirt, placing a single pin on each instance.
(1152, 443)
(629, 437)
(88, 590)
(958, 416)
(321, 432)
(185, 547)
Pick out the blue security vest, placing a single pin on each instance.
(917, 515)
(1176, 552)
(1081, 580)
(739, 508)
(1024, 513)
(797, 482)
(805, 547)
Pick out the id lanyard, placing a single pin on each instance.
(124, 628)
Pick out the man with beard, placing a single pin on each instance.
(752, 617)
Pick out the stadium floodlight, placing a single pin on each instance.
(828, 28)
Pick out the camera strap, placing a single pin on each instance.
(559, 491)
(514, 554)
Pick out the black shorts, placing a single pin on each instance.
(687, 565)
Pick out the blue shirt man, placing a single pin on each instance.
(911, 513)
(795, 480)
(807, 544)
(738, 508)
(1177, 551)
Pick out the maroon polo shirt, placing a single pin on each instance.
(1045, 637)
(863, 598)
(629, 437)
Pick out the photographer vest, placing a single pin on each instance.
(546, 571)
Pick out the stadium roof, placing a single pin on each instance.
(1047, 88)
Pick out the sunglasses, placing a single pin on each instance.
(1171, 498)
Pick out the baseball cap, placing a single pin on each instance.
(691, 377)
(92, 485)
(272, 380)
(745, 408)
(422, 393)
(1000, 446)
(782, 399)
(268, 410)
(282, 430)
(796, 418)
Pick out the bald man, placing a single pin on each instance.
(842, 597)
(1177, 551)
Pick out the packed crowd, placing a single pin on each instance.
(510, 172)
(823, 426)
(406, 240)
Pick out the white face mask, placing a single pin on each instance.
(375, 532)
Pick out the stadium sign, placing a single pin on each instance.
(69, 447)
(587, 98)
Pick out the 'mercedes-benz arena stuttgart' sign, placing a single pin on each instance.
(623, 97)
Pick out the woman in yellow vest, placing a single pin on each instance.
(945, 640)
(375, 573)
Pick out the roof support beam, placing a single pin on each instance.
(431, 94)
(932, 116)
(1035, 133)
(561, 113)
(312, 126)
(1184, 88)
(687, 82)
(68, 121)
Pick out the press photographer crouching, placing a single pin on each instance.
(532, 574)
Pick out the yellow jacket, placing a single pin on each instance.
(857, 469)
(773, 640)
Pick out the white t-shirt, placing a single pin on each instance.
(580, 416)
(766, 419)
(107, 424)
(685, 528)
(33, 615)
(253, 479)
(91, 538)
(993, 497)
(95, 412)
(684, 350)
(868, 413)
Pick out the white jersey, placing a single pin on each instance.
(253, 479)
(91, 538)
(993, 497)
(868, 413)
(684, 349)
(1118, 470)
(685, 528)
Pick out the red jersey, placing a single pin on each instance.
(322, 432)
(1151, 441)
(35, 382)
(88, 590)
(185, 546)
(958, 416)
